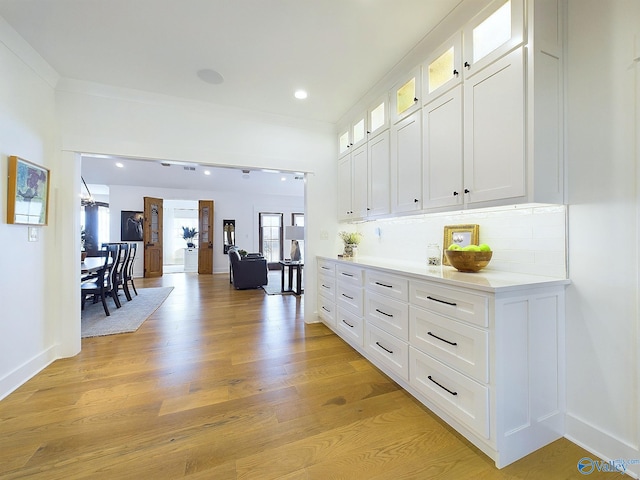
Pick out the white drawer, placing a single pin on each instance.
(350, 298)
(462, 346)
(386, 284)
(462, 305)
(457, 394)
(327, 310)
(327, 286)
(326, 267)
(387, 350)
(349, 275)
(350, 327)
(389, 314)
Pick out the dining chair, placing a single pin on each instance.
(128, 271)
(101, 285)
(118, 281)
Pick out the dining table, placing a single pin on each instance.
(91, 265)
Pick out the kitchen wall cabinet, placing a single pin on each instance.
(494, 131)
(492, 33)
(345, 189)
(485, 127)
(406, 164)
(482, 351)
(378, 187)
(443, 69)
(404, 95)
(443, 151)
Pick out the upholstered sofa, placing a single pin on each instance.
(248, 272)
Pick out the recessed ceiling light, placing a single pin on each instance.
(207, 172)
(119, 165)
(282, 179)
(210, 76)
(300, 94)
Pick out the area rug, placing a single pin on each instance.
(274, 285)
(94, 323)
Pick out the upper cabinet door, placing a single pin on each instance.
(404, 96)
(344, 141)
(378, 116)
(443, 69)
(359, 131)
(492, 33)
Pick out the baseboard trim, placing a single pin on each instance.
(27, 370)
(603, 445)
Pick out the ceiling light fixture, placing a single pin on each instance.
(300, 94)
(207, 172)
(210, 76)
(119, 165)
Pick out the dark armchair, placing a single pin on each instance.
(247, 272)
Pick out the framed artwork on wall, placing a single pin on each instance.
(462, 235)
(27, 193)
(131, 226)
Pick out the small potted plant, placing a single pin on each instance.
(189, 234)
(351, 241)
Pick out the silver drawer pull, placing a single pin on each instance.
(325, 286)
(442, 301)
(385, 349)
(383, 313)
(326, 309)
(444, 388)
(347, 323)
(325, 268)
(346, 274)
(347, 296)
(383, 285)
(442, 339)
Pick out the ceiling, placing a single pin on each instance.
(187, 176)
(337, 50)
(264, 49)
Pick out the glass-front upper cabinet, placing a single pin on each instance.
(359, 131)
(404, 95)
(344, 141)
(443, 69)
(378, 116)
(492, 33)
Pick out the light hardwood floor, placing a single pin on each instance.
(227, 384)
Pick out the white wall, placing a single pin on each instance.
(244, 209)
(602, 303)
(527, 239)
(28, 336)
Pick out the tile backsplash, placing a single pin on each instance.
(524, 238)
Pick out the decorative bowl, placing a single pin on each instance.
(468, 261)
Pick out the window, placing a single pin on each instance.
(270, 232)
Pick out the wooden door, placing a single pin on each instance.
(205, 236)
(152, 234)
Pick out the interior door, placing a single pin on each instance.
(205, 236)
(152, 234)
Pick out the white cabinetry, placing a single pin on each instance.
(345, 188)
(327, 292)
(406, 164)
(494, 126)
(487, 360)
(378, 194)
(443, 146)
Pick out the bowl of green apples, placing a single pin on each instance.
(471, 258)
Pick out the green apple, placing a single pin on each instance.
(471, 248)
(454, 246)
(484, 247)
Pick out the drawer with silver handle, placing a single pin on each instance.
(350, 298)
(350, 327)
(327, 310)
(387, 284)
(327, 286)
(461, 305)
(349, 275)
(386, 350)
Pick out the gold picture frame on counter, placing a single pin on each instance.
(463, 235)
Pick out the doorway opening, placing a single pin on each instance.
(178, 257)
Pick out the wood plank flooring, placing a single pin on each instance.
(226, 384)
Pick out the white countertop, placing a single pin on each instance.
(486, 280)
